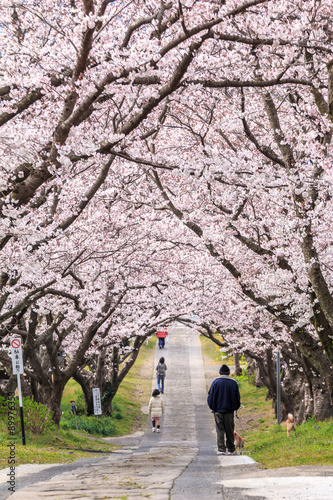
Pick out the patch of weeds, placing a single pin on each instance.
(100, 426)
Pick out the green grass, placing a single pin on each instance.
(266, 442)
(72, 391)
(312, 445)
(67, 445)
(213, 351)
(256, 413)
(53, 446)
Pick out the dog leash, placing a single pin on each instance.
(240, 420)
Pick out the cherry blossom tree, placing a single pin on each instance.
(81, 81)
(105, 286)
(162, 159)
(252, 168)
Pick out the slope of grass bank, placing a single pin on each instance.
(53, 446)
(266, 442)
(312, 445)
(67, 445)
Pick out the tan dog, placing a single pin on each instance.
(291, 424)
(239, 442)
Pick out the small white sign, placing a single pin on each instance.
(97, 401)
(17, 360)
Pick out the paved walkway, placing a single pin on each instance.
(180, 463)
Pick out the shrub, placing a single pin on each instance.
(37, 417)
(3, 407)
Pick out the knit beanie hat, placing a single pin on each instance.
(224, 370)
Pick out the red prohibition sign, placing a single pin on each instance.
(15, 343)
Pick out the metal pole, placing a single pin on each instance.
(278, 389)
(74, 412)
(21, 407)
(75, 418)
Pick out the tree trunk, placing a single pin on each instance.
(87, 391)
(108, 394)
(302, 390)
(56, 396)
(11, 384)
(238, 370)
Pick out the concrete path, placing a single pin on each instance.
(180, 463)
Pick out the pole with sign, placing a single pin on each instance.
(97, 401)
(17, 363)
(278, 389)
(74, 412)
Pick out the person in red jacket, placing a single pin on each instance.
(161, 335)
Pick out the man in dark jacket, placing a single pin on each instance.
(223, 399)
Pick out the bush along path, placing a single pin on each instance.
(181, 462)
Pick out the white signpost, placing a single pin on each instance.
(97, 401)
(17, 363)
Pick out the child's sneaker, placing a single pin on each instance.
(158, 430)
(153, 429)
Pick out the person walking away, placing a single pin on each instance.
(160, 374)
(161, 335)
(223, 399)
(166, 337)
(156, 409)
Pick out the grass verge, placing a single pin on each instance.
(213, 354)
(53, 446)
(67, 445)
(312, 445)
(266, 442)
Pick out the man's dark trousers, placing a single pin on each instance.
(225, 428)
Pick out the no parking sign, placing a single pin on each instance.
(17, 363)
(17, 359)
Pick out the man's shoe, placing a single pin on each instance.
(221, 452)
(231, 453)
